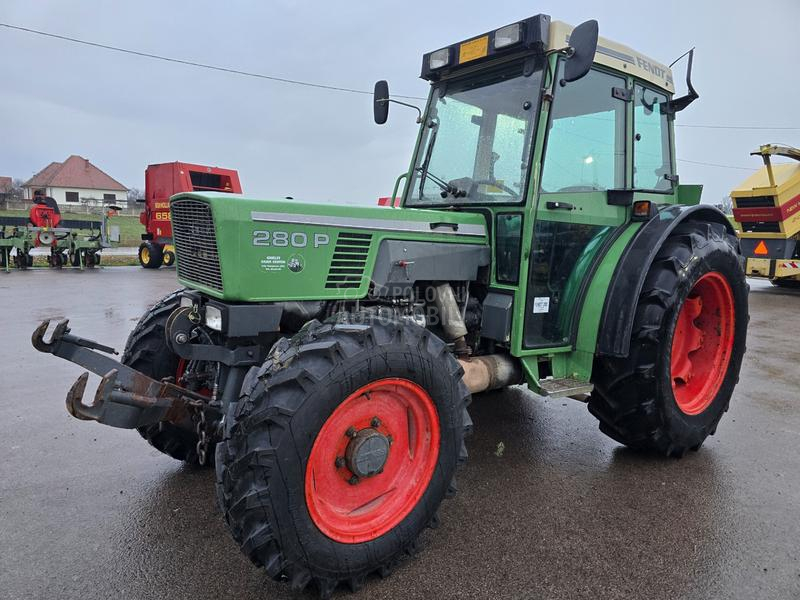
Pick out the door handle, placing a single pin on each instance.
(453, 226)
(559, 205)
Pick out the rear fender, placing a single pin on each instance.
(614, 337)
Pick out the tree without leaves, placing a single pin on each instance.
(135, 194)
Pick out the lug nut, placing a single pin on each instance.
(353, 480)
(351, 432)
(339, 462)
(376, 422)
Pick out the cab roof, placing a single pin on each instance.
(617, 56)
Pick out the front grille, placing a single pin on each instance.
(196, 243)
(762, 227)
(754, 202)
(349, 260)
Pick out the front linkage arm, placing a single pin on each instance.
(125, 397)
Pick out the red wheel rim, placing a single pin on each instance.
(703, 343)
(354, 512)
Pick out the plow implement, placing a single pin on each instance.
(75, 242)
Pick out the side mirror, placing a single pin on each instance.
(380, 102)
(583, 45)
(678, 104)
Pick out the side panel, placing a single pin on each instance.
(399, 264)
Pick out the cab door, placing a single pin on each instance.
(575, 220)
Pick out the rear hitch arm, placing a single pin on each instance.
(125, 397)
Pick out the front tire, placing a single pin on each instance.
(147, 351)
(151, 255)
(286, 470)
(686, 350)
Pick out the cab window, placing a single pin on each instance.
(652, 160)
(475, 144)
(586, 140)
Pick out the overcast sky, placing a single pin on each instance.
(123, 112)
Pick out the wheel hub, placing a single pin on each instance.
(367, 453)
(372, 460)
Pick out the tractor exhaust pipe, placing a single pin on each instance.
(450, 317)
(490, 372)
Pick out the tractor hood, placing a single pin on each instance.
(241, 249)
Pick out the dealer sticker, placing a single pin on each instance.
(541, 304)
(273, 263)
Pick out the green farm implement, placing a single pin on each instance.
(75, 242)
(323, 357)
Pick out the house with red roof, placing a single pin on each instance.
(75, 180)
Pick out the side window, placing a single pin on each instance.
(651, 156)
(586, 141)
(561, 259)
(508, 236)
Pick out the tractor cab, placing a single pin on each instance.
(561, 140)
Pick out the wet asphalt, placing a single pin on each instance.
(89, 512)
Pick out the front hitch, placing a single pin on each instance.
(125, 397)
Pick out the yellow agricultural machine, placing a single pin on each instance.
(767, 208)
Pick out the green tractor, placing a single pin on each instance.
(323, 357)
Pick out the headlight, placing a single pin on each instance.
(213, 318)
(508, 36)
(439, 59)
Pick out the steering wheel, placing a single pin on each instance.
(505, 188)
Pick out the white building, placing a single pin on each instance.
(74, 181)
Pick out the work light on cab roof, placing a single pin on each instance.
(529, 34)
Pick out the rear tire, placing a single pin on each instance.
(151, 255)
(274, 451)
(672, 389)
(147, 351)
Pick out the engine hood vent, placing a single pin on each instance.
(349, 260)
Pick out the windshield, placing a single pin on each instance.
(476, 141)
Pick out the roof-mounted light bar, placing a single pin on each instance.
(529, 35)
(508, 36)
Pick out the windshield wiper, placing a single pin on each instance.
(448, 189)
(423, 169)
